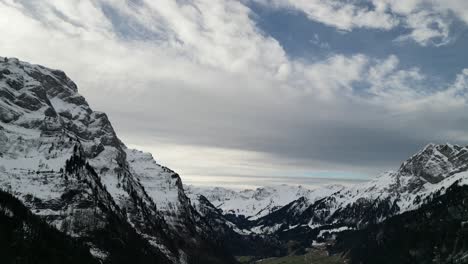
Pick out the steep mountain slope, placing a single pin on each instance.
(25, 238)
(164, 187)
(435, 233)
(65, 162)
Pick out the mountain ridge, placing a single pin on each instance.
(256, 203)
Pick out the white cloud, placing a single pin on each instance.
(427, 29)
(340, 14)
(331, 77)
(429, 21)
(391, 85)
(201, 74)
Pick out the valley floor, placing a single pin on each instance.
(313, 256)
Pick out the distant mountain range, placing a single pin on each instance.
(71, 191)
(254, 204)
(317, 217)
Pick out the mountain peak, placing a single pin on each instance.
(434, 162)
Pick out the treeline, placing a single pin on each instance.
(25, 238)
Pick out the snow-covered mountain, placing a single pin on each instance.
(65, 162)
(424, 176)
(255, 203)
(290, 213)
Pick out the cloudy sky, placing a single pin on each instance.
(258, 91)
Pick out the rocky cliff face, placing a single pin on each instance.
(433, 164)
(66, 163)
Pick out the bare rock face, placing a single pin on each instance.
(435, 162)
(66, 163)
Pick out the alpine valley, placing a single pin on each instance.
(72, 192)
